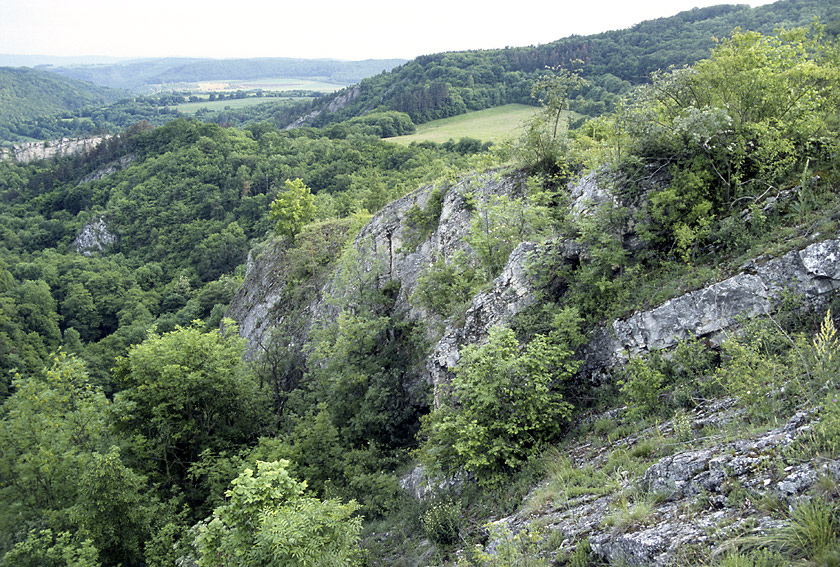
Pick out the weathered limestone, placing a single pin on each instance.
(109, 169)
(680, 482)
(384, 254)
(810, 274)
(94, 237)
(31, 151)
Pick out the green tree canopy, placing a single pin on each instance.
(293, 208)
(50, 426)
(504, 402)
(268, 522)
(184, 392)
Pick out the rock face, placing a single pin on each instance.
(108, 169)
(810, 274)
(258, 303)
(588, 194)
(390, 249)
(512, 292)
(24, 153)
(95, 237)
(334, 105)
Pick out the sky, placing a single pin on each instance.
(337, 29)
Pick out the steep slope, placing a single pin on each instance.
(651, 496)
(30, 93)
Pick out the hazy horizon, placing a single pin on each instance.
(372, 29)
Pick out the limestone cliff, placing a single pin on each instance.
(32, 151)
(391, 249)
(94, 237)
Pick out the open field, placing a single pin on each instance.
(230, 103)
(266, 84)
(281, 84)
(491, 125)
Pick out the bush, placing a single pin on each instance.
(268, 522)
(641, 386)
(441, 522)
(503, 405)
(445, 285)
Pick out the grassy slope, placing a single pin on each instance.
(232, 104)
(491, 125)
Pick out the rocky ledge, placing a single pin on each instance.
(807, 275)
(696, 499)
(32, 151)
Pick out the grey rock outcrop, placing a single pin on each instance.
(702, 496)
(32, 151)
(94, 237)
(390, 249)
(339, 102)
(809, 274)
(510, 294)
(257, 306)
(390, 235)
(109, 169)
(589, 193)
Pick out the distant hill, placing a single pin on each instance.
(141, 75)
(447, 84)
(27, 94)
(13, 60)
(427, 88)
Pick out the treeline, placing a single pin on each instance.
(429, 87)
(447, 84)
(157, 110)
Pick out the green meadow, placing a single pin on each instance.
(491, 125)
(228, 103)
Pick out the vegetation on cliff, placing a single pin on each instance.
(134, 431)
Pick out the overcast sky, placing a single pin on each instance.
(339, 29)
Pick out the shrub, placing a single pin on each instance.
(268, 522)
(446, 284)
(641, 386)
(504, 403)
(441, 522)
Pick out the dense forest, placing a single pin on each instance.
(136, 428)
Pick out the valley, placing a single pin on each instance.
(572, 304)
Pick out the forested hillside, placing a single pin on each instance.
(215, 185)
(446, 84)
(605, 345)
(428, 87)
(29, 94)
